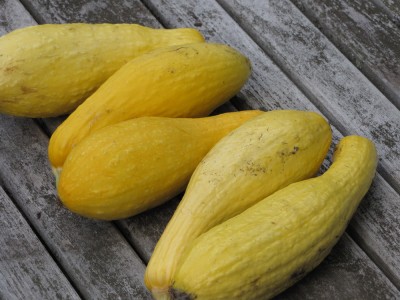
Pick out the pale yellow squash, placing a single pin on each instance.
(260, 157)
(126, 168)
(48, 70)
(276, 242)
(180, 81)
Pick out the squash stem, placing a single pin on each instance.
(57, 173)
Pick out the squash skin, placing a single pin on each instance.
(263, 155)
(276, 242)
(48, 70)
(129, 167)
(179, 81)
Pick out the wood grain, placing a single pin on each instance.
(27, 271)
(365, 34)
(392, 8)
(13, 16)
(90, 11)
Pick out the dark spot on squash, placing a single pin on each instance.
(255, 282)
(10, 69)
(295, 149)
(298, 274)
(8, 100)
(27, 90)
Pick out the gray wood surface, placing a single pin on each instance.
(90, 11)
(392, 8)
(13, 15)
(27, 269)
(350, 101)
(375, 227)
(364, 33)
(269, 88)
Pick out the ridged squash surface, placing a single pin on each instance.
(48, 70)
(273, 244)
(126, 168)
(260, 157)
(179, 81)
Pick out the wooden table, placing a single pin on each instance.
(341, 58)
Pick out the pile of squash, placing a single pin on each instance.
(254, 219)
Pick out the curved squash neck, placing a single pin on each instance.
(354, 158)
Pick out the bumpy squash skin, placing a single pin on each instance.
(48, 70)
(181, 81)
(273, 244)
(263, 155)
(126, 168)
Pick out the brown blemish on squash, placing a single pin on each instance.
(253, 168)
(298, 274)
(8, 100)
(10, 69)
(27, 90)
(295, 149)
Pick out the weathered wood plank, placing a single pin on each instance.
(392, 8)
(335, 85)
(96, 257)
(13, 15)
(90, 11)
(144, 230)
(375, 227)
(365, 34)
(27, 271)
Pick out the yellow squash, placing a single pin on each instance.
(276, 242)
(180, 81)
(126, 168)
(263, 155)
(48, 70)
